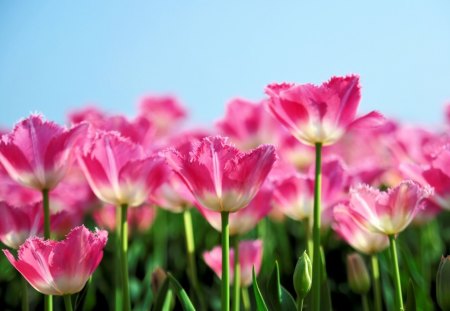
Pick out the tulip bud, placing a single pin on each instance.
(357, 274)
(158, 278)
(443, 283)
(303, 276)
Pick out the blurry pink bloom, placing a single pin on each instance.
(37, 153)
(357, 236)
(249, 125)
(118, 170)
(163, 112)
(320, 114)
(292, 151)
(173, 195)
(139, 218)
(244, 219)
(19, 223)
(386, 212)
(60, 268)
(220, 176)
(250, 255)
(294, 194)
(14, 193)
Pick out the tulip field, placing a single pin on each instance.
(294, 202)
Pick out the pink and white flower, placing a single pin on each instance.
(219, 176)
(119, 172)
(38, 153)
(60, 268)
(320, 114)
(386, 212)
(250, 255)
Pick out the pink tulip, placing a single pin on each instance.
(222, 178)
(14, 193)
(250, 255)
(163, 113)
(320, 114)
(249, 125)
(386, 212)
(118, 170)
(60, 268)
(244, 219)
(357, 236)
(19, 223)
(37, 153)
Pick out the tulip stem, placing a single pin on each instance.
(117, 266)
(68, 303)
(190, 247)
(225, 262)
(246, 299)
(396, 272)
(48, 300)
(299, 304)
(237, 276)
(316, 265)
(25, 303)
(376, 283)
(365, 302)
(124, 257)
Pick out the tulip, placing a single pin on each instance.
(60, 268)
(302, 278)
(222, 179)
(358, 277)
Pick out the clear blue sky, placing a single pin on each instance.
(56, 55)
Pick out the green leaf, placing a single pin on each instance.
(325, 295)
(260, 303)
(411, 297)
(273, 293)
(181, 294)
(161, 296)
(287, 301)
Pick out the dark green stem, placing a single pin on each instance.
(25, 303)
(225, 262)
(237, 276)
(316, 231)
(48, 300)
(246, 299)
(190, 247)
(117, 260)
(376, 283)
(68, 303)
(365, 303)
(124, 257)
(396, 272)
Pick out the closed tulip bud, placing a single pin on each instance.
(303, 276)
(443, 284)
(357, 274)
(158, 278)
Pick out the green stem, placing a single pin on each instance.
(68, 303)
(124, 257)
(117, 266)
(308, 237)
(316, 231)
(299, 304)
(237, 276)
(396, 272)
(225, 262)
(376, 283)
(365, 302)
(190, 247)
(25, 303)
(246, 299)
(48, 300)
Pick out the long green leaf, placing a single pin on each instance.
(273, 293)
(181, 294)
(260, 303)
(287, 301)
(411, 297)
(161, 296)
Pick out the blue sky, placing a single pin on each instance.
(55, 56)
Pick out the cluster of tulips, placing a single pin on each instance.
(300, 159)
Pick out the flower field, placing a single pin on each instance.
(295, 202)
